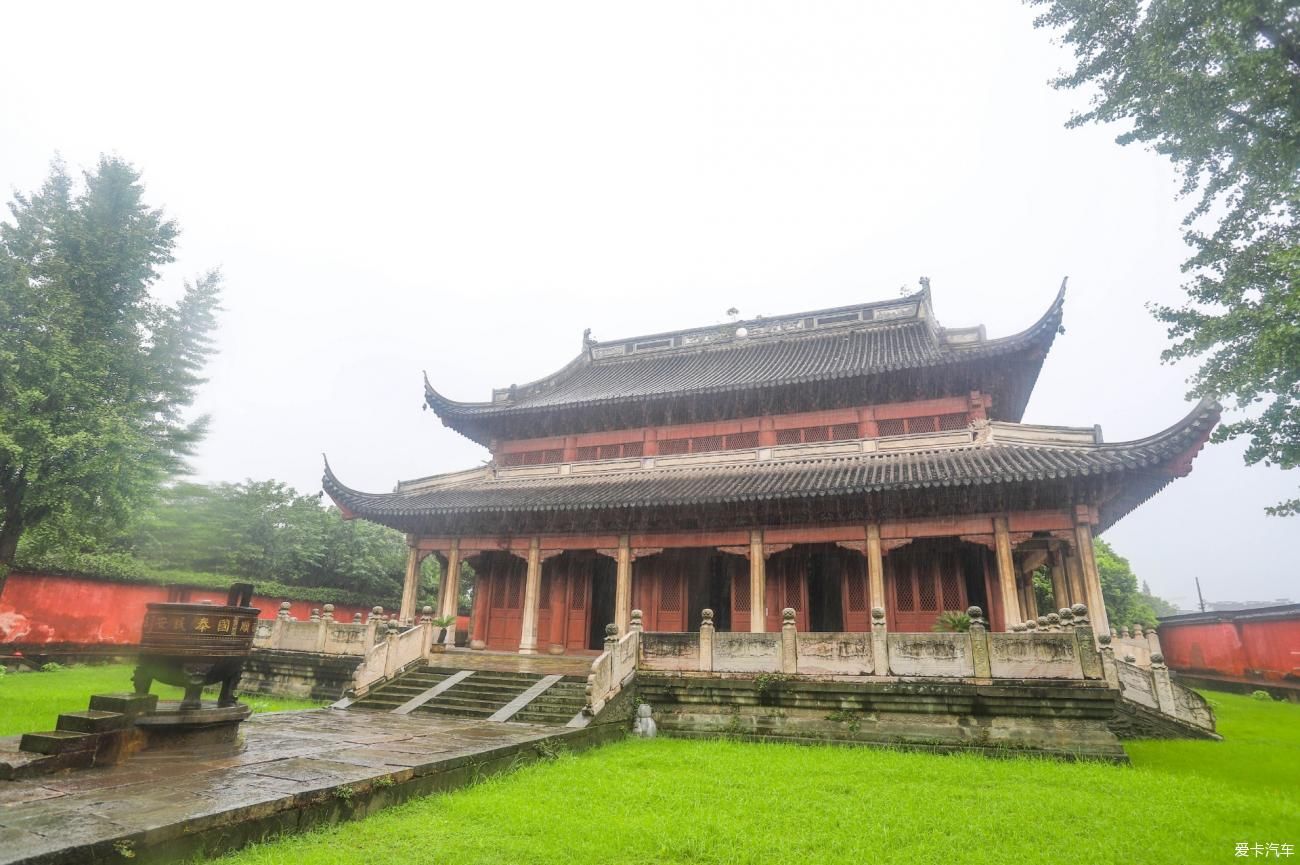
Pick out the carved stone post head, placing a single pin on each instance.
(877, 617)
(377, 612)
(706, 619)
(284, 611)
(787, 617)
(976, 616)
(315, 614)
(636, 620)
(1080, 616)
(328, 614)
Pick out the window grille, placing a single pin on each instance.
(788, 437)
(674, 446)
(815, 434)
(499, 591)
(927, 424)
(579, 601)
(857, 593)
(611, 452)
(587, 452)
(956, 421)
(633, 449)
(952, 590)
(706, 443)
(740, 594)
(892, 427)
(793, 597)
(903, 591)
(670, 596)
(842, 431)
(926, 596)
(515, 459)
(514, 601)
(736, 441)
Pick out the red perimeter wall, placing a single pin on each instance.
(1260, 645)
(42, 609)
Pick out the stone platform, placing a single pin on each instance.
(291, 771)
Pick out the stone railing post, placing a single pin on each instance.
(1153, 641)
(1109, 671)
(356, 618)
(1163, 687)
(636, 620)
(706, 641)
(390, 648)
(611, 638)
(323, 627)
(372, 626)
(879, 642)
(789, 642)
(315, 614)
(1085, 641)
(979, 644)
(278, 626)
(426, 625)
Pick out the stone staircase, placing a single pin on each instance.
(480, 694)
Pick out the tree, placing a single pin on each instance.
(1215, 86)
(1125, 605)
(95, 375)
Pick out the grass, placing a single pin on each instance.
(32, 701)
(731, 802)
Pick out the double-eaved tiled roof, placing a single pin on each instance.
(985, 456)
(858, 345)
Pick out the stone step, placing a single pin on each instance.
(92, 721)
(58, 742)
(454, 711)
(130, 705)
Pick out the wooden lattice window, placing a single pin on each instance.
(926, 596)
(706, 443)
(788, 437)
(736, 441)
(633, 449)
(587, 452)
(815, 433)
(674, 446)
(857, 593)
(508, 460)
(740, 595)
(515, 599)
(842, 431)
(956, 421)
(670, 595)
(610, 452)
(903, 591)
(892, 427)
(579, 600)
(499, 589)
(792, 594)
(951, 590)
(927, 424)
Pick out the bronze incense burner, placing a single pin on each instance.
(196, 645)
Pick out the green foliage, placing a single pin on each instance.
(52, 667)
(1125, 605)
(1181, 802)
(262, 532)
(1215, 86)
(953, 621)
(1261, 695)
(95, 375)
(1046, 599)
(33, 701)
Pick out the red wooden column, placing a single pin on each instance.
(559, 586)
(482, 589)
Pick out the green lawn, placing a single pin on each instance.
(732, 802)
(32, 701)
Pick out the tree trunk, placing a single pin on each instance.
(10, 531)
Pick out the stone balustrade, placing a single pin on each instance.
(397, 649)
(615, 667)
(1135, 645)
(321, 633)
(1062, 648)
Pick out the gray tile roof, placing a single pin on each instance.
(1139, 468)
(861, 342)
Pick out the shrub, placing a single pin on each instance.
(1261, 695)
(952, 620)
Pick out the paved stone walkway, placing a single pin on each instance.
(285, 775)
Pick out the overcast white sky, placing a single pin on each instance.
(463, 187)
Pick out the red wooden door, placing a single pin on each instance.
(787, 587)
(505, 616)
(740, 600)
(922, 583)
(579, 607)
(857, 600)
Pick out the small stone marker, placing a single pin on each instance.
(644, 726)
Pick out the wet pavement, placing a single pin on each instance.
(291, 769)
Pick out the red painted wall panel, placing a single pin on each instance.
(48, 609)
(1253, 648)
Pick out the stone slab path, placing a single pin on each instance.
(284, 775)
